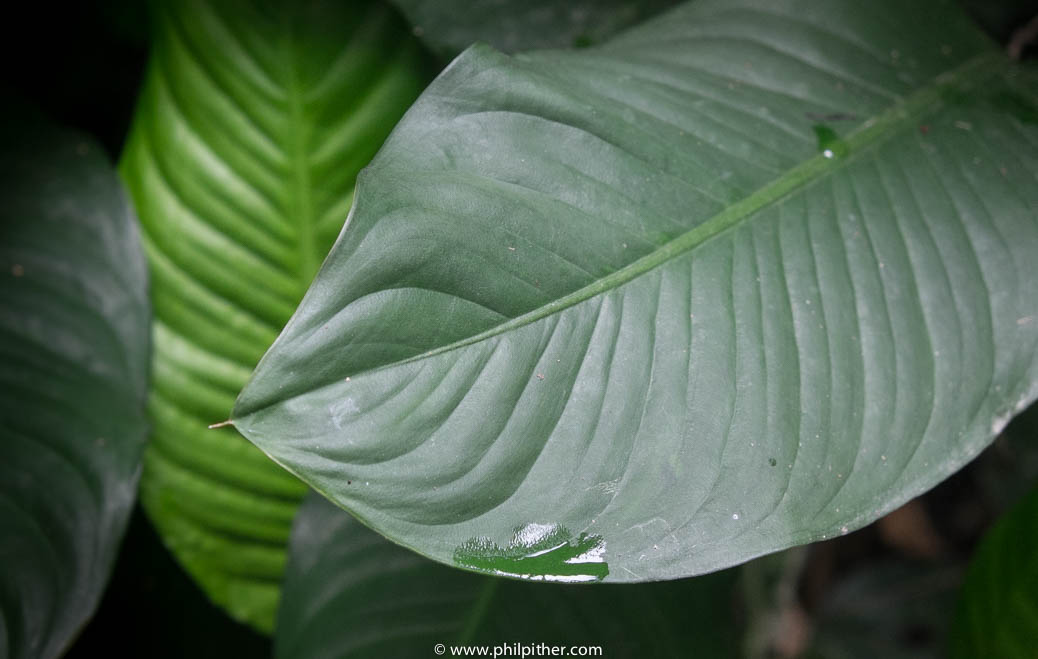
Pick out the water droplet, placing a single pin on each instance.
(538, 552)
(735, 516)
(830, 145)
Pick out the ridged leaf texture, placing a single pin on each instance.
(254, 119)
(748, 276)
(997, 612)
(74, 332)
(350, 593)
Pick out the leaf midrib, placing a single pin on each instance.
(871, 133)
(302, 206)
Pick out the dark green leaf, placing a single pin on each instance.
(513, 25)
(350, 593)
(634, 291)
(74, 324)
(997, 614)
(253, 122)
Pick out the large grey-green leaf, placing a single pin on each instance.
(451, 27)
(350, 593)
(748, 276)
(254, 120)
(998, 608)
(74, 324)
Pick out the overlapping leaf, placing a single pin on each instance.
(451, 27)
(998, 607)
(748, 276)
(351, 593)
(254, 119)
(74, 327)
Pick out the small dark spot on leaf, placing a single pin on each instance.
(583, 41)
(772, 461)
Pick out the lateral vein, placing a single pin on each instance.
(868, 135)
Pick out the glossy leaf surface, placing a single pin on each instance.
(451, 27)
(998, 606)
(74, 327)
(253, 122)
(351, 593)
(746, 277)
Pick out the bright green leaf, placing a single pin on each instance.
(514, 25)
(749, 276)
(351, 593)
(253, 122)
(997, 614)
(74, 327)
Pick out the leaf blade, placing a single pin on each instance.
(251, 127)
(996, 607)
(74, 340)
(843, 291)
